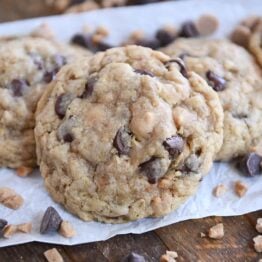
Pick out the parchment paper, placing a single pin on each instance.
(121, 22)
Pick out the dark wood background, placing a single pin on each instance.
(183, 237)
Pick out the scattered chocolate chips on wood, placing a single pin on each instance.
(51, 221)
(250, 164)
(134, 257)
(217, 82)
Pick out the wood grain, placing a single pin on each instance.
(184, 237)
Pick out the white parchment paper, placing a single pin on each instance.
(121, 22)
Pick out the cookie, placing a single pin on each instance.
(27, 65)
(255, 45)
(234, 75)
(126, 135)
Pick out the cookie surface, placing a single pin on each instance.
(126, 135)
(233, 73)
(27, 65)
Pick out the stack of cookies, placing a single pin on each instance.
(129, 132)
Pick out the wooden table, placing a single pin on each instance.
(184, 237)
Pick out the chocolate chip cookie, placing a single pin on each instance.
(234, 75)
(127, 134)
(27, 65)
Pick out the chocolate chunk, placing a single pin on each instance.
(89, 87)
(102, 46)
(82, 40)
(50, 221)
(143, 72)
(134, 257)
(59, 61)
(251, 164)
(121, 141)
(68, 138)
(174, 145)
(18, 86)
(49, 76)
(217, 82)
(152, 169)
(188, 29)
(61, 104)
(181, 65)
(3, 223)
(164, 37)
(153, 44)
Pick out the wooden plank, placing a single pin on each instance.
(235, 246)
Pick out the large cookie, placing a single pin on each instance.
(233, 73)
(27, 65)
(126, 135)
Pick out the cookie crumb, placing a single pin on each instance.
(207, 24)
(9, 230)
(217, 231)
(259, 225)
(219, 190)
(202, 234)
(24, 171)
(240, 188)
(258, 243)
(170, 256)
(25, 227)
(10, 199)
(67, 230)
(52, 255)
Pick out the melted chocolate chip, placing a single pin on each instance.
(134, 257)
(89, 87)
(61, 104)
(188, 29)
(152, 169)
(217, 82)
(143, 72)
(251, 164)
(164, 37)
(121, 141)
(174, 145)
(82, 40)
(181, 65)
(153, 44)
(3, 223)
(18, 86)
(50, 221)
(49, 76)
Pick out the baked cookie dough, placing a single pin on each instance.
(233, 73)
(126, 135)
(27, 65)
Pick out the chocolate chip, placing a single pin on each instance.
(152, 169)
(143, 72)
(102, 46)
(37, 60)
(68, 138)
(59, 60)
(164, 37)
(251, 164)
(18, 86)
(3, 223)
(134, 257)
(61, 104)
(174, 145)
(181, 65)
(49, 76)
(153, 44)
(82, 40)
(50, 221)
(121, 141)
(89, 87)
(217, 82)
(188, 29)
(64, 132)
